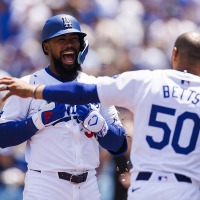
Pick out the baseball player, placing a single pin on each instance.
(165, 149)
(62, 150)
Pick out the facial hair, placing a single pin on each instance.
(66, 74)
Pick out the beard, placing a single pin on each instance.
(68, 73)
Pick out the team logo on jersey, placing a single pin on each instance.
(67, 23)
(162, 178)
(185, 82)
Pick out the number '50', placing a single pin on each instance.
(194, 131)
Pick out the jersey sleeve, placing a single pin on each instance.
(110, 114)
(123, 90)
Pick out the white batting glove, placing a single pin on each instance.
(92, 120)
(48, 114)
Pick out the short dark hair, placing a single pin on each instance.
(188, 45)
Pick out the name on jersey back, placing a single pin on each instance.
(183, 94)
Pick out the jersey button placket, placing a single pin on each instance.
(76, 139)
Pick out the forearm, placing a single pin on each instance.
(70, 93)
(114, 141)
(15, 133)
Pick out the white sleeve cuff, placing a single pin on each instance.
(37, 122)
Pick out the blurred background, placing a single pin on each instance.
(123, 35)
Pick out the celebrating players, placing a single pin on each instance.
(165, 150)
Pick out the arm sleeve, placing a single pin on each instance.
(15, 133)
(71, 93)
(114, 141)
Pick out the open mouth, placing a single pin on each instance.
(69, 57)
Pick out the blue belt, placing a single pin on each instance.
(145, 176)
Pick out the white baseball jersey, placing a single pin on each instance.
(166, 108)
(64, 146)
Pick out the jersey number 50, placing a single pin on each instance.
(153, 121)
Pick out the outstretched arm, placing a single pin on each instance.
(70, 93)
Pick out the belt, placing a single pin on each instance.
(145, 176)
(71, 177)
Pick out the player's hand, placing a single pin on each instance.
(49, 114)
(18, 87)
(15, 86)
(92, 120)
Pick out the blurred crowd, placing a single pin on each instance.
(123, 35)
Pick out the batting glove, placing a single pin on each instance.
(48, 114)
(92, 120)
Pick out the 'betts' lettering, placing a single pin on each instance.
(166, 91)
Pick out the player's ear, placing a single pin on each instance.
(174, 53)
(45, 47)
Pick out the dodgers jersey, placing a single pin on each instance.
(66, 146)
(166, 112)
